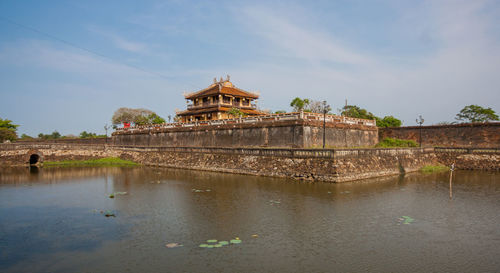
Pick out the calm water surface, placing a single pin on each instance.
(51, 221)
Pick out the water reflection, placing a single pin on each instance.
(51, 221)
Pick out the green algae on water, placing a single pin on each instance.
(434, 168)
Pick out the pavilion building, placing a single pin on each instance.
(214, 102)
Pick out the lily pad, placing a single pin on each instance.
(111, 196)
(218, 245)
(203, 245)
(235, 241)
(210, 246)
(407, 220)
(224, 243)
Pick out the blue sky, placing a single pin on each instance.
(85, 59)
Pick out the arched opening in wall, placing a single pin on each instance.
(34, 158)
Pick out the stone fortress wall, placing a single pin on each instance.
(292, 130)
(329, 165)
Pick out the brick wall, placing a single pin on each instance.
(486, 135)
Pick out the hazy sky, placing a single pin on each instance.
(68, 65)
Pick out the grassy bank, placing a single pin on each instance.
(434, 168)
(396, 143)
(107, 161)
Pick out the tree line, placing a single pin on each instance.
(470, 113)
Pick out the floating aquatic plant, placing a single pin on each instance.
(213, 243)
(407, 220)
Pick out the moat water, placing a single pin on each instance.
(53, 220)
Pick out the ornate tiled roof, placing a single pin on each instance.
(221, 87)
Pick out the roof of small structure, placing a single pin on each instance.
(222, 87)
(218, 109)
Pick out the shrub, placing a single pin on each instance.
(394, 142)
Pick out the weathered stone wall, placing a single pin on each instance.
(334, 166)
(292, 134)
(339, 165)
(19, 154)
(485, 135)
(470, 159)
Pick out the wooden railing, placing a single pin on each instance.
(227, 104)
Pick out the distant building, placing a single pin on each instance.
(215, 101)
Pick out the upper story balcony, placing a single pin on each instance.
(223, 104)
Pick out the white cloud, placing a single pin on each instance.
(298, 42)
(459, 70)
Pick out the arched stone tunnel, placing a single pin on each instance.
(34, 157)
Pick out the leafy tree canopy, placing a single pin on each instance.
(308, 105)
(26, 137)
(138, 116)
(299, 104)
(236, 112)
(388, 121)
(354, 111)
(476, 113)
(86, 134)
(54, 135)
(7, 130)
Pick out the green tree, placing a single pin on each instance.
(388, 121)
(138, 116)
(155, 119)
(354, 111)
(54, 135)
(7, 130)
(86, 134)
(299, 104)
(280, 112)
(476, 113)
(26, 137)
(236, 112)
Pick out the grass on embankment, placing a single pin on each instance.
(434, 168)
(107, 161)
(396, 143)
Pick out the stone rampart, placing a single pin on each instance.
(486, 135)
(298, 133)
(330, 165)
